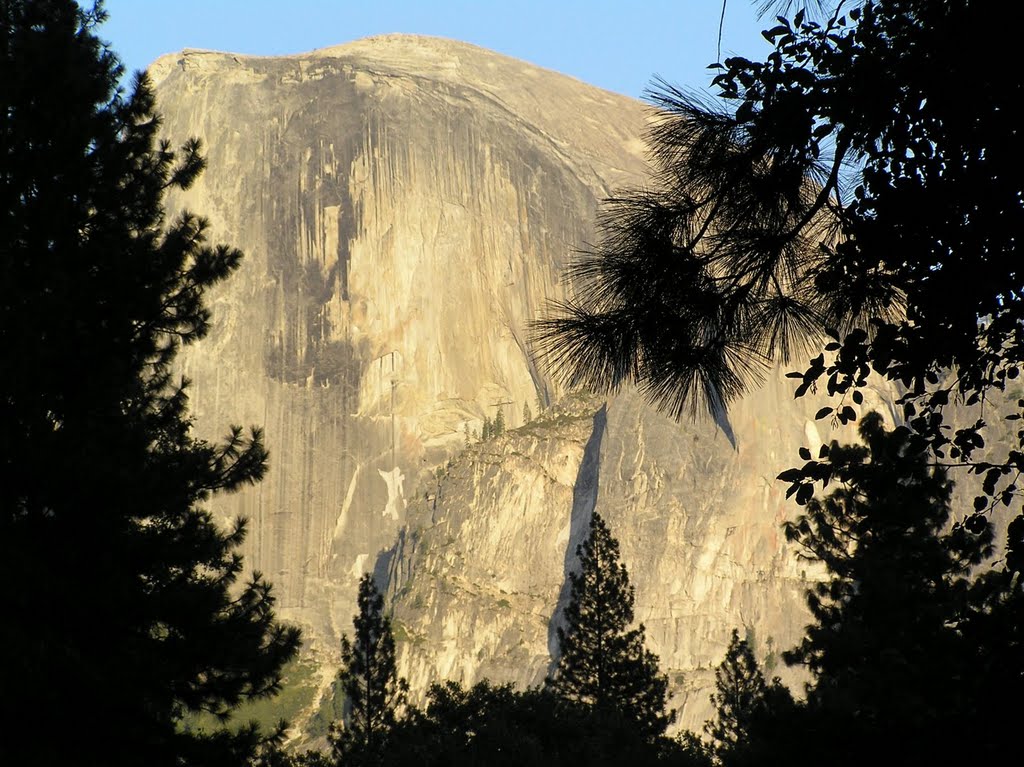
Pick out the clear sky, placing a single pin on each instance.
(616, 45)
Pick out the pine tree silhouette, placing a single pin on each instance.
(886, 647)
(602, 662)
(740, 690)
(747, 707)
(373, 689)
(119, 586)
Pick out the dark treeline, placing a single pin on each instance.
(603, 704)
(914, 652)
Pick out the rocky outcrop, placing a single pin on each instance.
(479, 576)
(406, 206)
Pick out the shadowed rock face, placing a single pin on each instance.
(406, 206)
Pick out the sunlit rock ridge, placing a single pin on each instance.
(407, 206)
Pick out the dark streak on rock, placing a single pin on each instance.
(584, 499)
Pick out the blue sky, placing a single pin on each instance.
(615, 45)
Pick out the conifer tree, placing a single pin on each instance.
(602, 662)
(909, 643)
(373, 689)
(499, 422)
(498, 726)
(740, 690)
(120, 591)
(887, 647)
(747, 706)
(527, 415)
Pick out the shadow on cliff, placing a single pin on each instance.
(584, 499)
(382, 565)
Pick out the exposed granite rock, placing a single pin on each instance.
(406, 206)
(479, 576)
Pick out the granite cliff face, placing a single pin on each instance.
(479, 575)
(406, 206)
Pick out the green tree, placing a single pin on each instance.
(122, 594)
(740, 691)
(603, 663)
(486, 724)
(889, 650)
(497, 725)
(372, 687)
(499, 422)
(527, 415)
(748, 708)
(860, 183)
(909, 641)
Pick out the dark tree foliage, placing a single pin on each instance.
(748, 708)
(123, 609)
(491, 726)
(915, 650)
(273, 753)
(486, 725)
(861, 183)
(374, 692)
(895, 644)
(602, 662)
